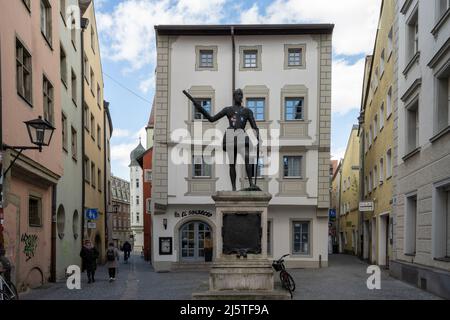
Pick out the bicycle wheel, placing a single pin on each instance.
(287, 281)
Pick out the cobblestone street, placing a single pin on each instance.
(344, 279)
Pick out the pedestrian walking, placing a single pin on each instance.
(126, 251)
(89, 255)
(112, 255)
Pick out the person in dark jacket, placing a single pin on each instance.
(5, 266)
(89, 255)
(126, 251)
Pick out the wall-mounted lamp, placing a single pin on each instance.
(165, 224)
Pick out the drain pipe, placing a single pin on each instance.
(233, 59)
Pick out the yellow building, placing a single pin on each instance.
(348, 196)
(377, 141)
(94, 130)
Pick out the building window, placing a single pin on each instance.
(257, 105)
(99, 137)
(412, 39)
(63, 65)
(87, 170)
(370, 135)
(375, 127)
(46, 20)
(389, 103)
(86, 67)
(74, 87)
(410, 225)
(382, 116)
(444, 5)
(48, 100)
(27, 4)
(382, 63)
(206, 104)
(148, 175)
(200, 167)
(74, 144)
(295, 57)
(206, 59)
(99, 180)
(137, 183)
(34, 211)
(301, 237)
(73, 30)
(250, 58)
(370, 182)
(412, 127)
(137, 200)
(62, 9)
(86, 118)
(381, 170)
(23, 72)
(93, 175)
(148, 205)
(375, 177)
(92, 38)
(92, 127)
(441, 227)
(64, 131)
(293, 108)
(388, 163)
(443, 101)
(366, 186)
(98, 96)
(292, 166)
(92, 80)
(390, 42)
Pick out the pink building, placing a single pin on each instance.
(30, 87)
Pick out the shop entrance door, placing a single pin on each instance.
(192, 241)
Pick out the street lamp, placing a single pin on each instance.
(40, 132)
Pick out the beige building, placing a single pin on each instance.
(377, 138)
(94, 130)
(346, 184)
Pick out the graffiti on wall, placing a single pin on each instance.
(30, 245)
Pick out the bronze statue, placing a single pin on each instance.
(236, 139)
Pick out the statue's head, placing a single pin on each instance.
(238, 95)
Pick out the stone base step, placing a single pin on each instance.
(242, 295)
(183, 267)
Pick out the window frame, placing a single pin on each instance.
(301, 171)
(25, 68)
(258, 62)
(302, 48)
(47, 33)
(309, 234)
(48, 94)
(38, 198)
(198, 53)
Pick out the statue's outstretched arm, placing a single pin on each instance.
(202, 110)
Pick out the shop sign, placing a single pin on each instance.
(92, 225)
(186, 213)
(366, 206)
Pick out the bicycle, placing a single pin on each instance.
(287, 281)
(8, 291)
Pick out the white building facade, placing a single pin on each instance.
(69, 194)
(285, 74)
(136, 201)
(422, 172)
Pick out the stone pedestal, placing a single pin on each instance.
(242, 225)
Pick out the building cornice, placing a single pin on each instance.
(244, 29)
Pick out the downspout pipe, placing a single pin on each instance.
(233, 61)
(1, 149)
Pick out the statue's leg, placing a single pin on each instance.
(233, 169)
(248, 166)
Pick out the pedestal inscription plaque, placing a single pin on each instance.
(241, 232)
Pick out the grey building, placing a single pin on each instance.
(120, 215)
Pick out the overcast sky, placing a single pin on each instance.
(127, 42)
